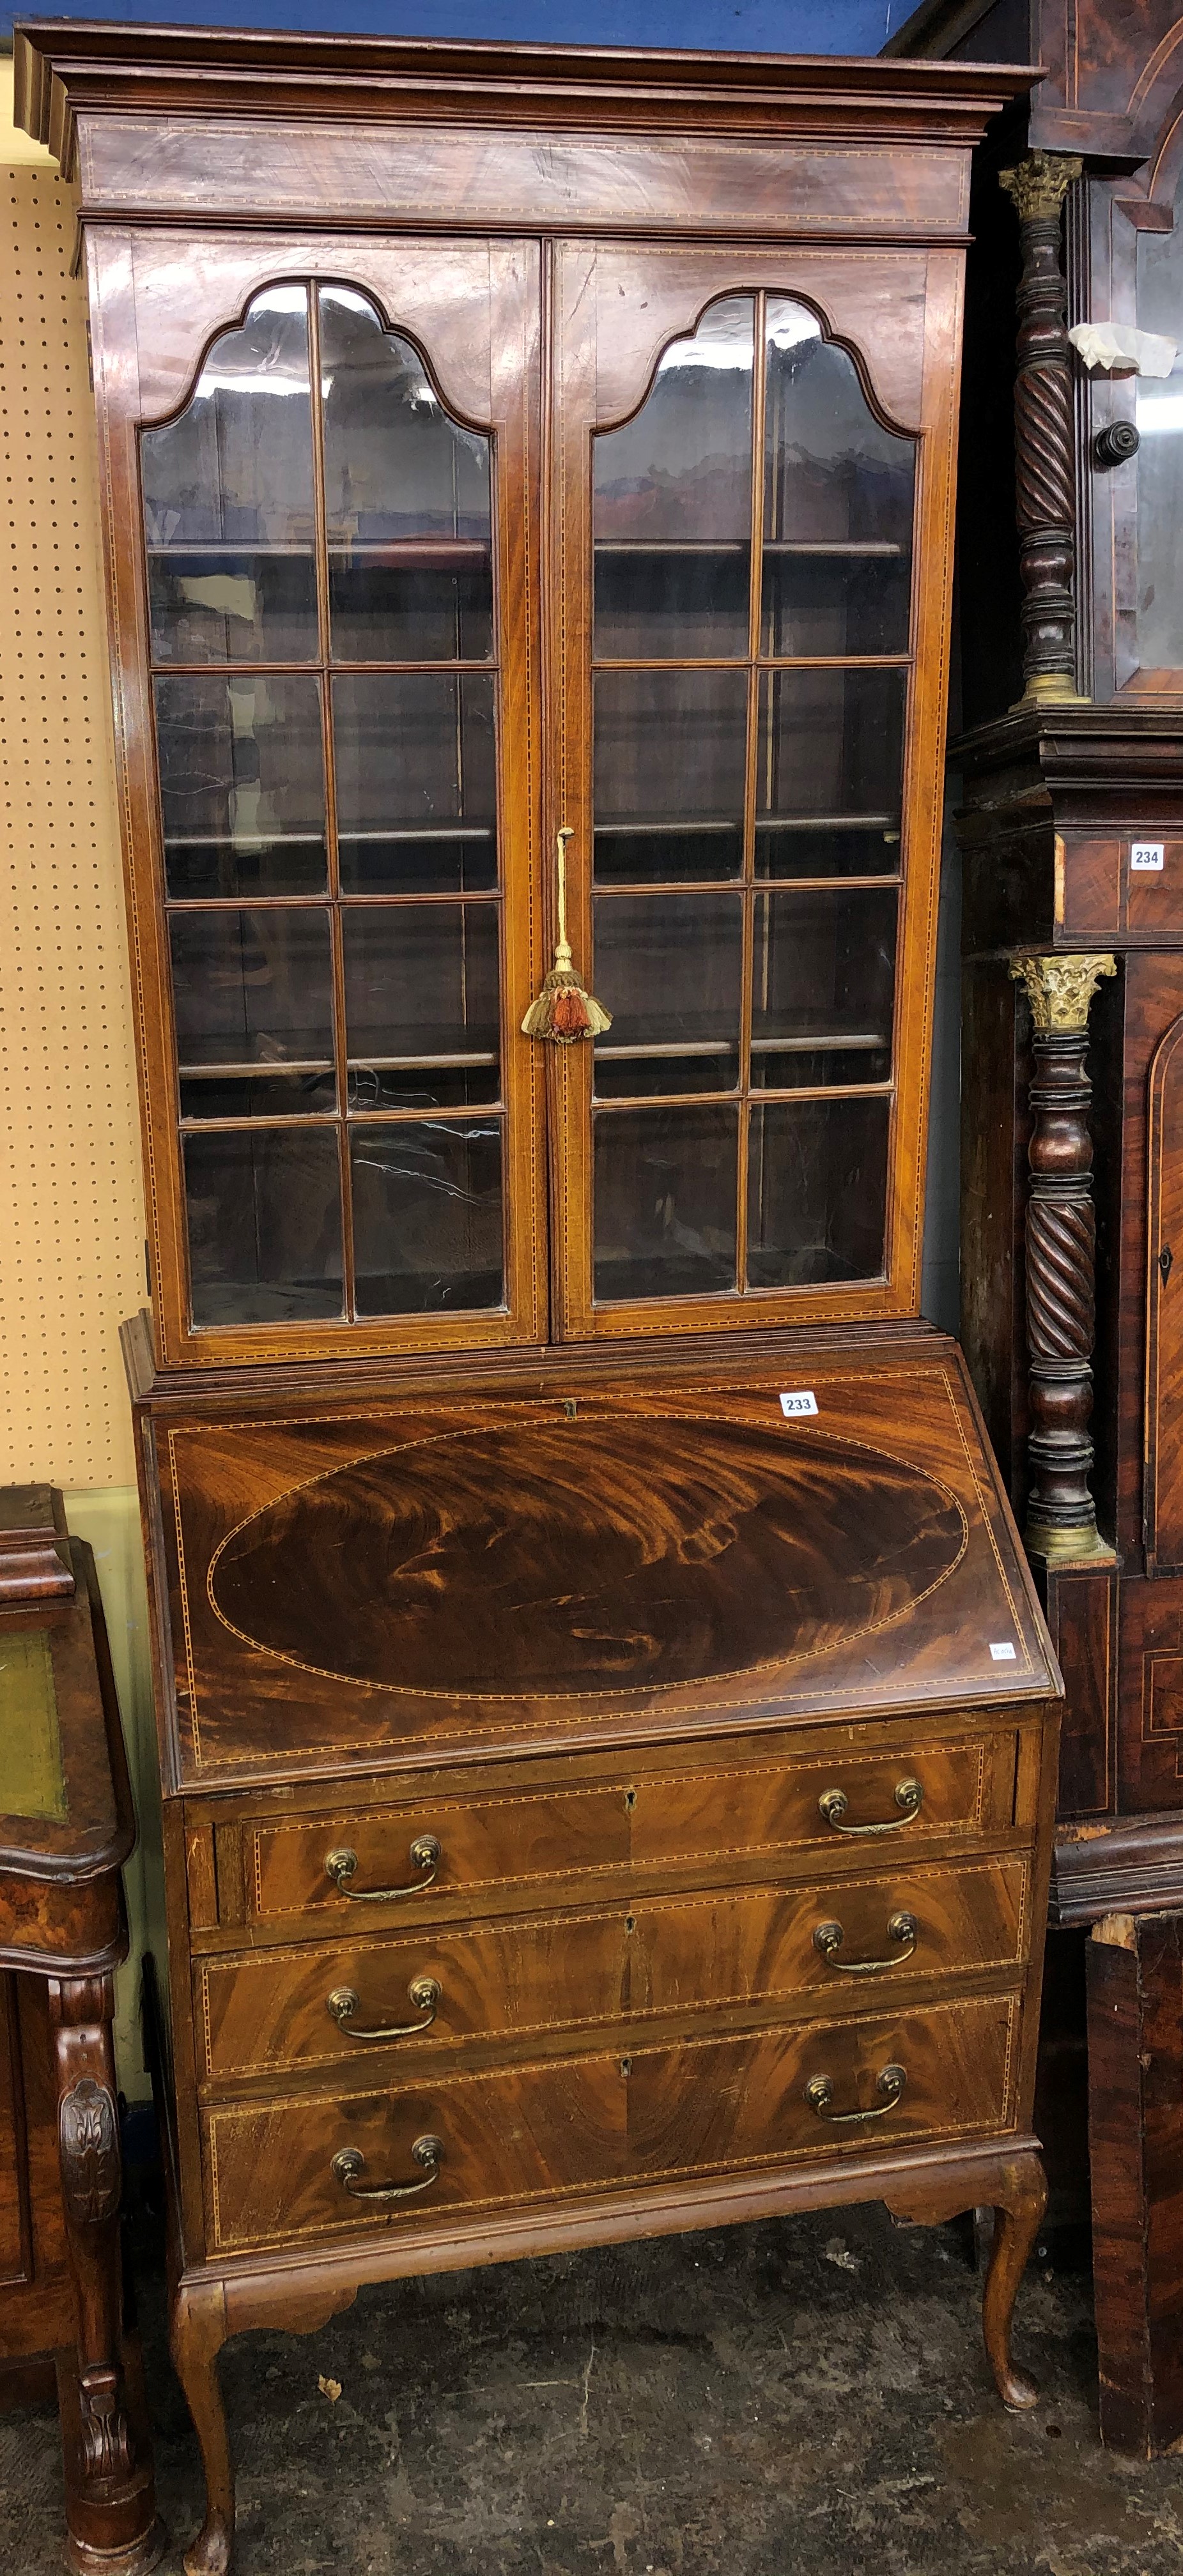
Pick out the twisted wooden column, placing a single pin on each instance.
(1045, 478)
(1061, 1260)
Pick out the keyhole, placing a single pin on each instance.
(1166, 1262)
(630, 1922)
(630, 1800)
(570, 1408)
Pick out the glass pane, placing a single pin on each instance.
(228, 506)
(817, 1191)
(406, 498)
(838, 496)
(665, 1182)
(241, 785)
(1159, 415)
(253, 989)
(421, 1003)
(798, 848)
(268, 1091)
(831, 759)
(427, 1216)
(673, 496)
(668, 968)
(817, 601)
(416, 783)
(669, 775)
(823, 988)
(264, 1225)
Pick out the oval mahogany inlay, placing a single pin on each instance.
(586, 1556)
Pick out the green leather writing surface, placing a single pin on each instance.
(32, 1782)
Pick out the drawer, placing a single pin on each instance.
(653, 1814)
(534, 2132)
(638, 1958)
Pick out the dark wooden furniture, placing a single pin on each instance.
(606, 1724)
(66, 1827)
(1072, 614)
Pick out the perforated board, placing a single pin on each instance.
(71, 1210)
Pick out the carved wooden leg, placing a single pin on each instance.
(1016, 2225)
(197, 2332)
(110, 2499)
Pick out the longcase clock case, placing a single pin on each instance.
(1072, 673)
(607, 1727)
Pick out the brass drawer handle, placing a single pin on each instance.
(349, 2162)
(909, 1798)
(425, 1994)
(819, 2093)
(426, 1857)
(829, 1937)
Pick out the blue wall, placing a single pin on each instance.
(746, 26)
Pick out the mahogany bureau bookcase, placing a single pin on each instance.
(66, 1826)
(607, 1727)
(1072, 766)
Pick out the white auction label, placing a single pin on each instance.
(1003, 1655)
(802, 1401)
(1145, 855)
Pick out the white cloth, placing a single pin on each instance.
(1123, 351)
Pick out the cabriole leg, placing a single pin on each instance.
(197, 2332)
(1016, 2225)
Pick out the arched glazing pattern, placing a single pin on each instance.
(752, 529)
(319, 539)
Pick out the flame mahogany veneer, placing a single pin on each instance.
(596, 1802)
(597, 1924)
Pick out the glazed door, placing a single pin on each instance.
(752, 463)
(324, 466)
(358, 702)
(1135, 647)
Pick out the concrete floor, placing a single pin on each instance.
(802, 2398)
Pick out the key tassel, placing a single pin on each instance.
(564, 1009)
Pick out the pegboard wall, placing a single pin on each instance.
(71, 1210)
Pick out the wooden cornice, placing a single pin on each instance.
(64, 67)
